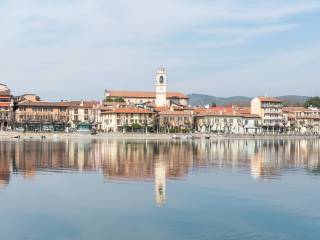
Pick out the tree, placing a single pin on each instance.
(116, 99)
(213, 104)
(312, 102)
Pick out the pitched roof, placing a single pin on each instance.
(128, 110)
(76, 104)
(138, 94)
(246, 115)
(199, 110)
(181, 113)
(222, 108)
(294, 109)
(309, 117)
(245, 110)
(5, 104)
(269, 99)
(82, 104)
(161, 109)
(219, 113)
(42, 104)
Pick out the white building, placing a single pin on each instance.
(270, 110)
(120, 119)
(227, 122)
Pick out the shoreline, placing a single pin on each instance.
(148, 136)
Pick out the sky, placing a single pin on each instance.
(75, 49)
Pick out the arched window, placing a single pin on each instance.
(161, 80)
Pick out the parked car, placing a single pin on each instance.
(19, 129)
(47, 129)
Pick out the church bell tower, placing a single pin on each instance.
(161, 88)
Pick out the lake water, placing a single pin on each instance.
(146, 189)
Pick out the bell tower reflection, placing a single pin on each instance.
(160, 182)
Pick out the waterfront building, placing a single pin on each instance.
(83, 114)
(175, 121)
(225, 121)
(27, 97)
(127, 119)
(6, 108)
(302, 120)
(270, 110)
(159, 98)
(42, 116)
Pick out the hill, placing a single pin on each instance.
(202, 100)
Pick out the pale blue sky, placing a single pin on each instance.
(75, 49)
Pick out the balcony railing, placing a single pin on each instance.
(46, 117)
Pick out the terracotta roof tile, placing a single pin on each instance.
(138, 94)
(269, 99)
(5, 104)
(42, 104)
(245, 110)
(309, 117)
(221, 108)
(161, 109)
(294, 109)
(182, 113)
(199, 110)
(219, 113)
(128, 110)
(250, 115)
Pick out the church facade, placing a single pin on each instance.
(159, 98)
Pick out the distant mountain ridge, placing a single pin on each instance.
(203, 99)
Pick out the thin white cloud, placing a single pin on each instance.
(294, 72)
(47, 44)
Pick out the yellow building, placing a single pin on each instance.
(42, 116)
(124, 119)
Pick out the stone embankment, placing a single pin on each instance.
(154, 136)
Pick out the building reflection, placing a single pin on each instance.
(160, 182)
(158, 161)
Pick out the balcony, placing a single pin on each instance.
(41, 117)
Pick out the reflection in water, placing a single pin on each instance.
(160, 182)
(158, 160)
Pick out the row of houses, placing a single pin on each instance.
(29, 113)
(157, 111)
(35, 115)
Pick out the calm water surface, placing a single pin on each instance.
(126, 189)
